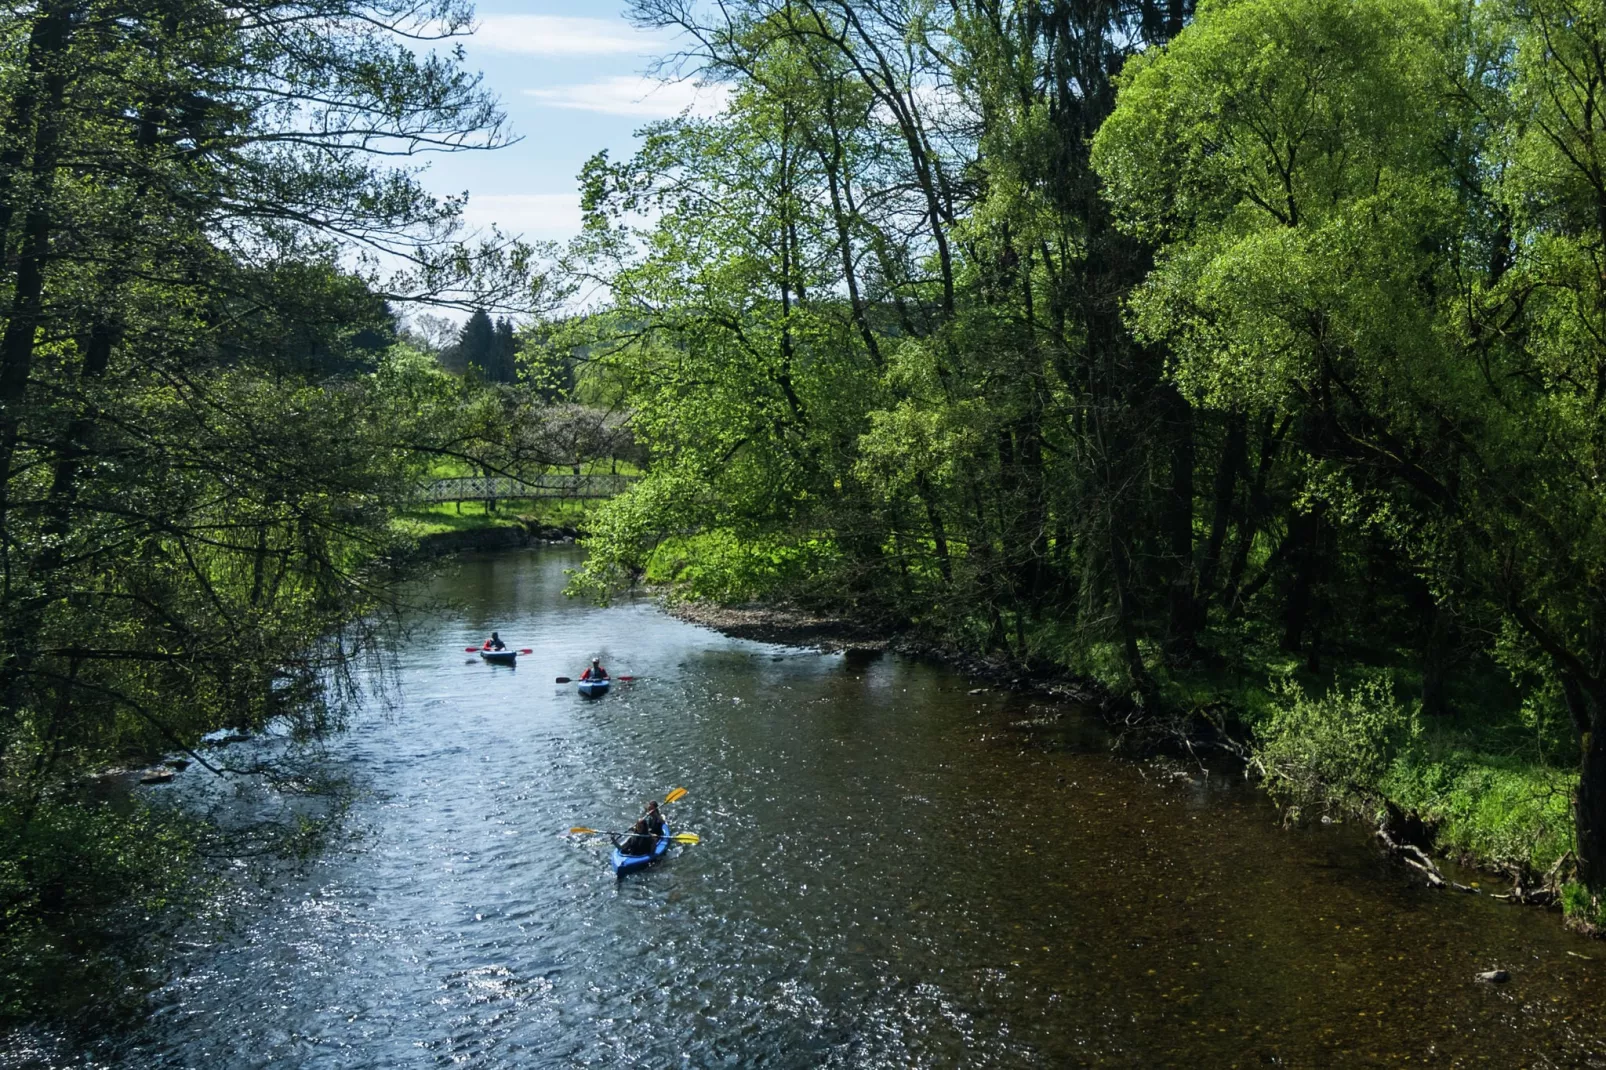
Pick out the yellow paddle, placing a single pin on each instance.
(679, 837)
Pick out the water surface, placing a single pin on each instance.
(893, 873)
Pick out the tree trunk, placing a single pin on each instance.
(1256, 507)
(1589, 813)
(1304, 533)
(1181, 634)
(1436, 656)
(17, 345)
(1121, 569)
(1226, 492)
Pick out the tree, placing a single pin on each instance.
(906, 200)
(200, 449)
(1374, 218)
(475, 352)
(504, 351)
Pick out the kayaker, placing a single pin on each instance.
(495, 643)
(654, 819)
(640, 841)
(595, 672)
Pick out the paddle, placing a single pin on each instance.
(675, 795)
(483, 650)
(676, 837)
(566, 680)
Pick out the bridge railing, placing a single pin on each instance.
(502, 488)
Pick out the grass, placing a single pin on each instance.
(1495, 787)
(476, 516)
(1584, 912)
(1491, 807)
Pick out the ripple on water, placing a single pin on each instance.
(894, 873)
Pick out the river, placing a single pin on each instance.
(893, 872)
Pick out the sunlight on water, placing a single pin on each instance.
(893, 873)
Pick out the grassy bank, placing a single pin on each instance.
(437, 519)
(1487, 781)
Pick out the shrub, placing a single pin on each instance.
(1333, 750)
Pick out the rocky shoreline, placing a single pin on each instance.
(792, 626)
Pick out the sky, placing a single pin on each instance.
(571, 76)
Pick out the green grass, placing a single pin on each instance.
(1583, 911)
(474, 516)
(1495, 786)
(1490, 807)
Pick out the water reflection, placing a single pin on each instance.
(893, 873)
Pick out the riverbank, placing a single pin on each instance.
(1436, 792)
(791, 626)
(442, 530)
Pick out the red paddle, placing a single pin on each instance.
(487, 650)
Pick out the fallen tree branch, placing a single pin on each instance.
(1422, 862)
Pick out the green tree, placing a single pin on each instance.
(203, 435)
(1374, 218)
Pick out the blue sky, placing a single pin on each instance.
(570, 74)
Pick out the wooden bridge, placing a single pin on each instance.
(503, 488)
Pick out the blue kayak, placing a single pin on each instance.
(593, 688)
(500, 657)
(623, 863)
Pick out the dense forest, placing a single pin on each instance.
(206, 423)
(1248, 359)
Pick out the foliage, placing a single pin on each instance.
(78, 884)
(1583, 908)
(1336, 749)
(207, 419)
(1164, 344)
(1495, 809)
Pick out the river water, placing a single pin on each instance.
(893, 873)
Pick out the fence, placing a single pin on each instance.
(501, 488)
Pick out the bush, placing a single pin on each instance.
(80, 883)
(1333, 750)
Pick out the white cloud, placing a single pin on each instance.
(558, 35)
(646, 98)
(536, 216)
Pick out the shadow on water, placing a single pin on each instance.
(894, 873)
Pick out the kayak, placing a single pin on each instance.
(500, 657)
(593, 688)
(623, 863)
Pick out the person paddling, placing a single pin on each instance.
(595, 672)
(640, 841)
(495, 643)
(654, 819)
